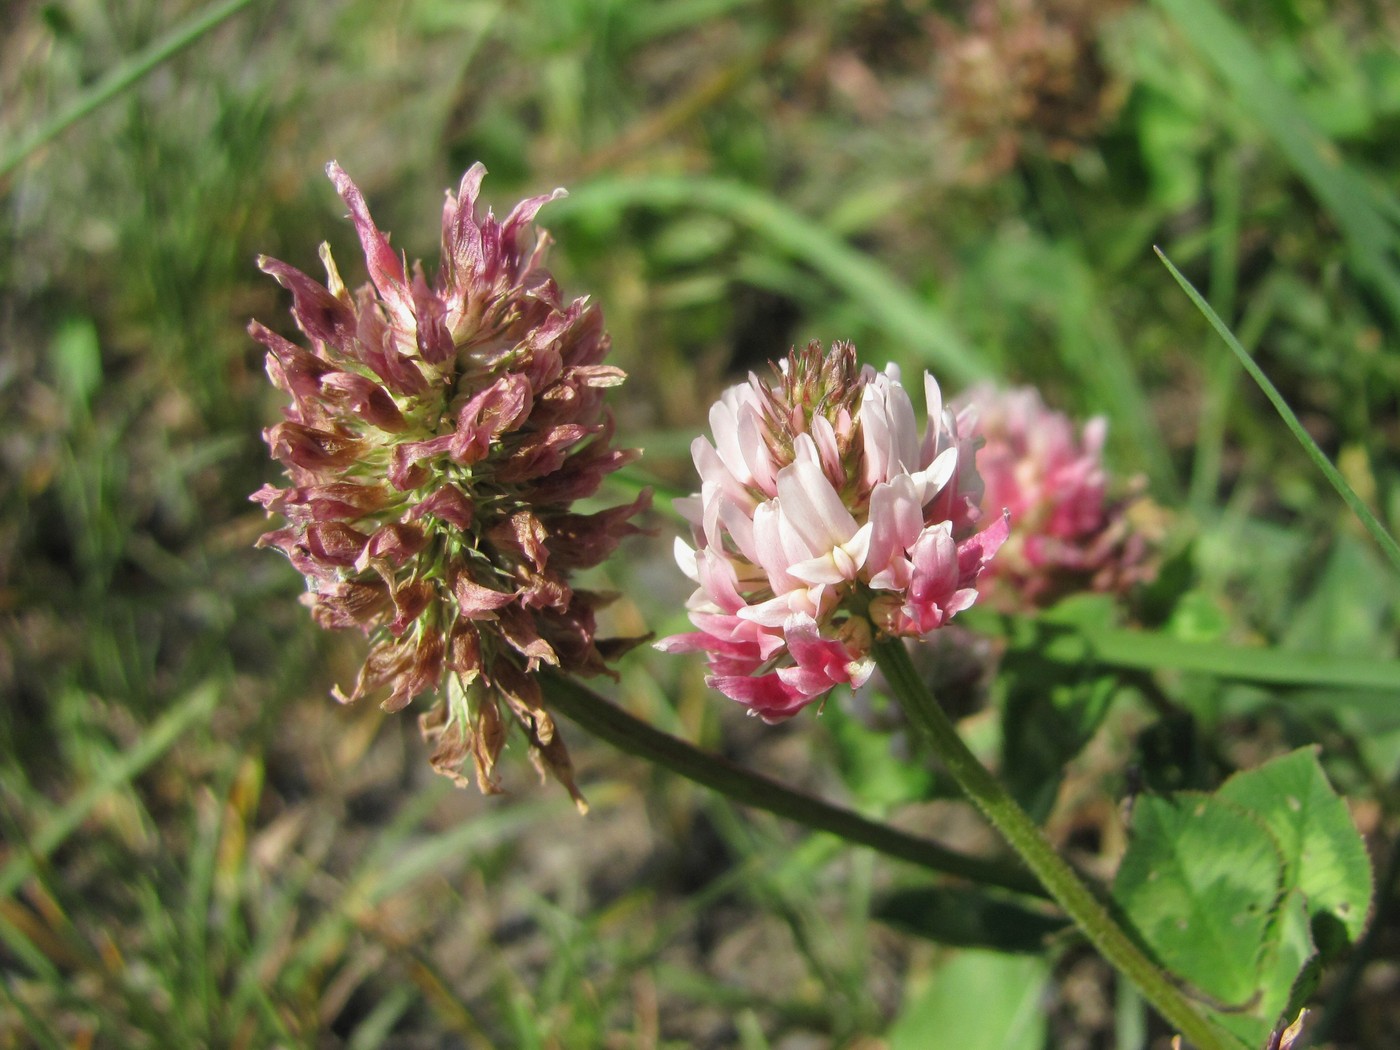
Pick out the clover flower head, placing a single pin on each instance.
(1068, 532)
(825, 517)
(438, 434)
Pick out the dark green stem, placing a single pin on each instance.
(610, 723)
(1022, 834)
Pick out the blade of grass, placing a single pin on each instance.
(904, 316)
(281, 903)
(1360, 210)
(1142, 650)
(376, 1028)
(396, 861)
(35, 1027)
(119, 79)
(1134, 650)
(1383, 539)
(17, 933)
(157, 740)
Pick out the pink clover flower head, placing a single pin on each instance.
(826, 517)
(1067, 532)
(438, 434)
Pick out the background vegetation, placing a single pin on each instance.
(200, 848)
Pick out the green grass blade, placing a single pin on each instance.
(119, 79)
(378, 1026)
(196, 707)
(36, 1028)
(1363, 513)
(904, 316)
(1363, 214)
(1140, 650)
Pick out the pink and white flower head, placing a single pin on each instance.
(825, 517)
(1067, 533)
(438, 435)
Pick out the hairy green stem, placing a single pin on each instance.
(609, 722)
(1022, 834)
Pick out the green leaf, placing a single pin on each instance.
(1287, 973)
(978, 1001)
(1201, 882)
(77, 362)
(1172, 137)
(868, 746)
(1198, 619)
(1324, 856)
(1049, 712)
(1052, 696)
(967, 918)
(1290, 965)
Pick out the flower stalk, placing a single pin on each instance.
(1026, 838)
(608, 722)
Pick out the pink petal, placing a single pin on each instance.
(385, 266)
(896, 519)
(768, 695)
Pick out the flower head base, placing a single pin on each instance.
(1067, 533)
(437, 437)
(824, 517)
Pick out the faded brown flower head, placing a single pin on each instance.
(438, 435)
(1026, 76)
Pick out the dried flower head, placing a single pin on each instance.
(823, 519)
(1025, 77)
(1067, 533)
(438, 435)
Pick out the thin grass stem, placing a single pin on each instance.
(117, 80)
(1372, 524)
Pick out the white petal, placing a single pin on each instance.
(685, 558)
(931, 479)
(753, 446)
(724, 425)
(809, 502)
(933, 400)
(817, 570)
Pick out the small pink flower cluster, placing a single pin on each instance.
(824, 517)
(1067, 533)
(437, 438)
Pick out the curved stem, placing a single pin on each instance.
(1022, 834)
(609, 722)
